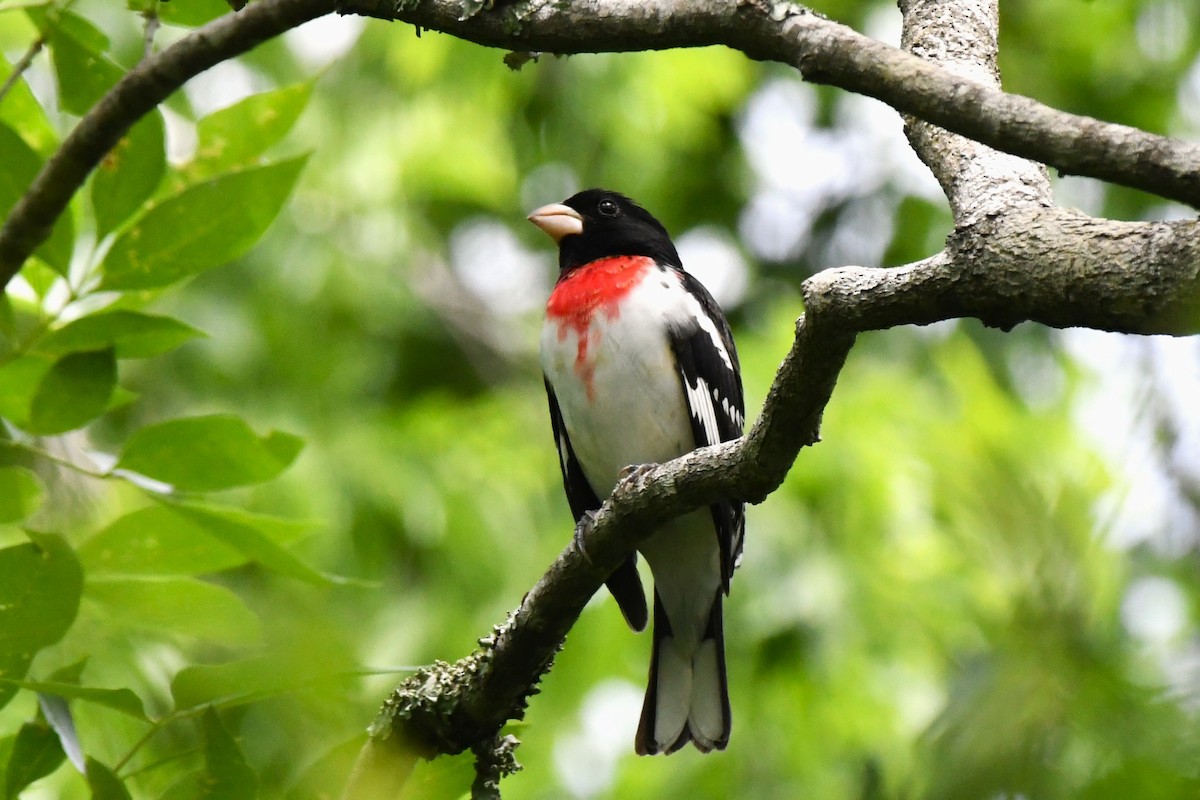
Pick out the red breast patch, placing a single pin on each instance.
(597, 286)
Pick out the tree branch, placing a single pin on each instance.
(824, 51)
(978, 181)
(20, 65)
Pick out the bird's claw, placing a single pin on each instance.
(635, 473)
(582, 528)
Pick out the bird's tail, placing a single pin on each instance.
(687, 698)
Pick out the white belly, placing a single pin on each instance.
(622, 403)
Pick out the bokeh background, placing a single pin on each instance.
(982, 583)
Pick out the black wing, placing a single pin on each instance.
(624, 584)
(712, 384)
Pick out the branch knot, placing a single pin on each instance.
(494, 759)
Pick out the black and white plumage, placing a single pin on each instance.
(640, 368)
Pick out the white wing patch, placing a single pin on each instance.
(562, 450)
(730, 412)
(700, 404)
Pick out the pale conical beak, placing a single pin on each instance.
(557, 220)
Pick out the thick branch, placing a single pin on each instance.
(823, 50)
(827, 52)
(979, 181)
(1054, 266)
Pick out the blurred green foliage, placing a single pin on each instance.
(275, 433)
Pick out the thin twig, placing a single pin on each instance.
(22, 64)
(25, 60)
(153, 23)
(60, 460)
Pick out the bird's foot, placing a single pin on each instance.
(582, 528)
(635, 473)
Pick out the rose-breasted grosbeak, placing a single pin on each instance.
(640, 368)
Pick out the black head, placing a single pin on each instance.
(597, 223)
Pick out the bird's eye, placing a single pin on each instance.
(608, 208)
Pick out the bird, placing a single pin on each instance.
(640, 368)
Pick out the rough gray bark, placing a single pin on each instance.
(823, 50)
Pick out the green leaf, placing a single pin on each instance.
(18, 168)
(279, 530)
(180, 606)
(40, 583)
(35, 754)
(225, 138)
(235, 683)
(156, 541)
(20, 493)
(40, 587)
(84, 73)
(130, 173)
(203, 226)
(59, 22)
(13, 5)
(192, 13)
(41, 279)
(123, 700)
(131, 334)
(238, 530)
(8, 323)
(19, 380)
(28, 380)
(305, 657)
(188, 787)
(22, 112)
(75, 391)
(121, 397)
(104, 783)
(6, 746)
(208, 453)
(284, 446)
(229, 777)
(193, 539)
(71, 673)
